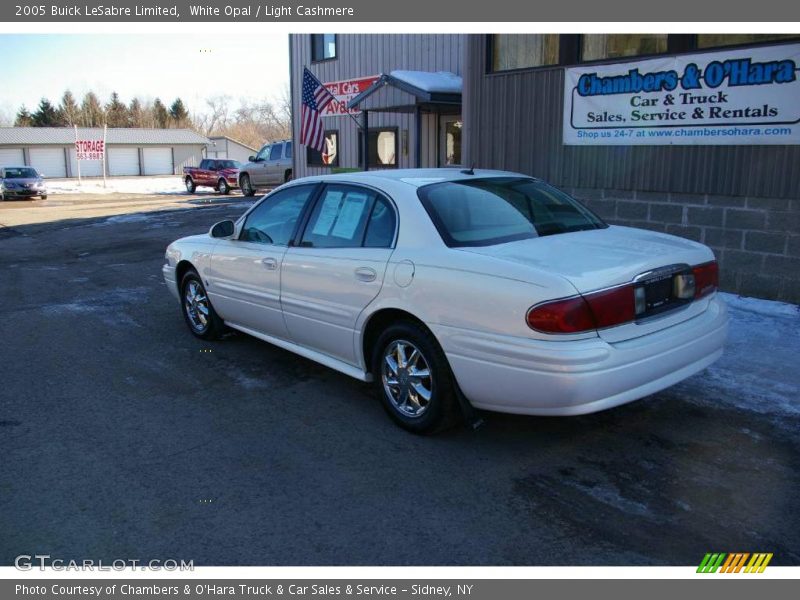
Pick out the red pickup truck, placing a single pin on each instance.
(218, 173)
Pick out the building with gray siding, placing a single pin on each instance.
(741, 199)
(129, 151)
(221, 146)
(409, 125)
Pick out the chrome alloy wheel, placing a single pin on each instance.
(195, 303)
(406, 378)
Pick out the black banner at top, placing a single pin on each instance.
(406, 11)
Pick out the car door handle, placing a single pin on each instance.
(366, 274)
(270, 263)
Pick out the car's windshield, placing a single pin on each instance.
(229, 164)
(20, 173)
(483, 212)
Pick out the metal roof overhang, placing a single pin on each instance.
(389, 94)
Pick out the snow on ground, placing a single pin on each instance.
(759, 370)
(118, 185)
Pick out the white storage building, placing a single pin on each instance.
(221, 146)
(129, 151)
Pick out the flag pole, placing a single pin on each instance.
(77, 150)
(105, 135)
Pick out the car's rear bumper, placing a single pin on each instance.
(525, 376)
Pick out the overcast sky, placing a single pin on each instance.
(193, 67)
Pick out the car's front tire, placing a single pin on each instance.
(246, 185)
(413, 378)
(200, 316)
(223, 187)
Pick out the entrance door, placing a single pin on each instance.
(450, 127)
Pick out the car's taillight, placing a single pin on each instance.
(571, 315)
(706, 279)
(615, 306)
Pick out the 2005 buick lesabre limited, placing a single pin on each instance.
(450, 288)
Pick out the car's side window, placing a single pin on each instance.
(203, 164)
(275, 153)
(288, 151)
(381, 225)
(339, 218)
(274, 220)
(263, 153)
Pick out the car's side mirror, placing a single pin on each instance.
(223, 229)
(252, 159)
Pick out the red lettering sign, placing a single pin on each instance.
(344, 92)
(90, 149)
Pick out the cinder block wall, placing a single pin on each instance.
(756, 240)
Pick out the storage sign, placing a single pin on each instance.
(343, 92)
(732, 97)
(90, 149)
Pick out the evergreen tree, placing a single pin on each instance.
(136, 114)
(116, 112)
(160, 114)
(46, 115)
(23, 118)
(91, 111)
(69, 111)
(178, 113)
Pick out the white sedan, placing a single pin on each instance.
(452, 289)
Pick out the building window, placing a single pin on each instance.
(328, 157)
(514, 51)
(382, 148)
(603, 46)
(323, 46)
(713, 40)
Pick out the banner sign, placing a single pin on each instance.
(732, 97)
(344, 91)
(90, 149)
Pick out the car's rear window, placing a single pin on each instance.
(483, 212)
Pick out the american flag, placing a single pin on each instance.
(315, 98)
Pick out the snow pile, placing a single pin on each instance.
(758, 371)
(116, 185)
(442, 82)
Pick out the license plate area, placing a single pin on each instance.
(663, 290)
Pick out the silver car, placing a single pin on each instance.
(272, 166)
(21, 182)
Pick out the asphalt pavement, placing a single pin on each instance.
(124, 437)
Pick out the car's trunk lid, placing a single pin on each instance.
(601, 258)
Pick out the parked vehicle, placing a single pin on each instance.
(220, 174)
(456, 288)
(21, 182)
(270, 167)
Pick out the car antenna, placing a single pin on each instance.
(470, 171)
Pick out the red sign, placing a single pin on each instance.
(344, 91)
(90, 149)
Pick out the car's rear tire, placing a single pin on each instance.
(287, 176)
(200, 316)
(413, 378)
(190, 186)
(223, 187)
(44, 197)
(246, 186)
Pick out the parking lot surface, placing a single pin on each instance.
(124, 437)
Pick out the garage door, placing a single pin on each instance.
(11, 157)
(49, 161)
(157, 161)
(89, 168)
(123, 161)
